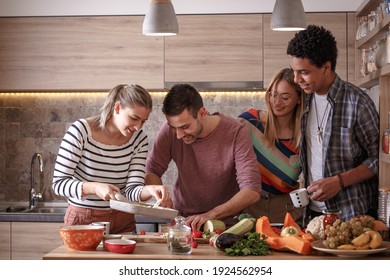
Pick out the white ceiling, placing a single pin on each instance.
(9, 8)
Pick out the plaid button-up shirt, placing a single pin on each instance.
(351, 138)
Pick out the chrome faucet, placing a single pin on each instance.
(34, 195)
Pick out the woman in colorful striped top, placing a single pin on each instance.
(105, 154)
(275, 136)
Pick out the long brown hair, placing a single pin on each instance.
(126, 95)
(270, 134)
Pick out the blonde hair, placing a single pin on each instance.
(270, 134)
(126, 95)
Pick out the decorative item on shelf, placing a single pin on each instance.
(362, 28)
(160, 19)
(380, 13)
(371, 20)
(388, 46)
(385, 143)
(386, 137)
(384, 206)
(381, 53)
(288, 15)
(364, 62)
(371, 67)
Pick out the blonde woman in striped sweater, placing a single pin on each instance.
(103, 155)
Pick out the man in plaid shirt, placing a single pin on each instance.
(340, 130)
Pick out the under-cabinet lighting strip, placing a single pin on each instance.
(62, 94)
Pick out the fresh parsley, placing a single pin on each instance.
(254, 244)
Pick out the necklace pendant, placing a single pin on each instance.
(319, 136)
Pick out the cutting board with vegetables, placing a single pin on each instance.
(156, 237)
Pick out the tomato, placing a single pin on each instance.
(196, 234)
(218, 231)
(142, 232)
(194, 244)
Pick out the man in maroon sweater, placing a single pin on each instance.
(218, 175)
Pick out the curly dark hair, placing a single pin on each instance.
(180, 97)
(316, 44)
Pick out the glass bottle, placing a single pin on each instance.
(180, 238)
(381, 53)
(364, 62)
(386, 137)
(388, 46)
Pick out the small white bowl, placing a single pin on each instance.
(111, 236)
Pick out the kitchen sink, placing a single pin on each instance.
(37, 210)
(13, 209)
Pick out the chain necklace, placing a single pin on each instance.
(320, 128)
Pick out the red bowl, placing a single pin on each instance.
(120, 246)
(82, 237)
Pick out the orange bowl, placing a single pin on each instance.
(82, 237)
(120, 246)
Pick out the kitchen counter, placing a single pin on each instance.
(58, 215)
(159, 251)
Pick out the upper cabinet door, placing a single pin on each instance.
(78, 53)
(275, 43)
(215, 48)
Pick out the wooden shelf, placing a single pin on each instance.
(378, 78)
(374, 35)
(384, 157)
(372, 79)
(367, 6)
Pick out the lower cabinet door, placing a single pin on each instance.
(5, 240)
(32, 240)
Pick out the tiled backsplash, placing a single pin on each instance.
(36, 122)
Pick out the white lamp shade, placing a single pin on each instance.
(160, 19)
(288, 15)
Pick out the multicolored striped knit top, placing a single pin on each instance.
(278, 163)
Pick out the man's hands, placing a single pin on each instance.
(324, 189)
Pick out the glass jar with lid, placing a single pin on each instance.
(331, 215)
(180, 238)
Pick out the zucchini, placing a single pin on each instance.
(213, 225)
(242, 227)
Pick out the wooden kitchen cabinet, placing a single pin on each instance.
(5, 240)
(342, 25)
(215, 48)
(32, 240)
(78, 53)
(379, 78)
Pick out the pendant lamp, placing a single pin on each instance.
(288, 15)
(160, 19)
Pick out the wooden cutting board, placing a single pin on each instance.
(155, 237)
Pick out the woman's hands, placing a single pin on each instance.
(108, 191)
(158, 192)
(102, 190)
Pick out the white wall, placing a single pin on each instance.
(139, 7)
